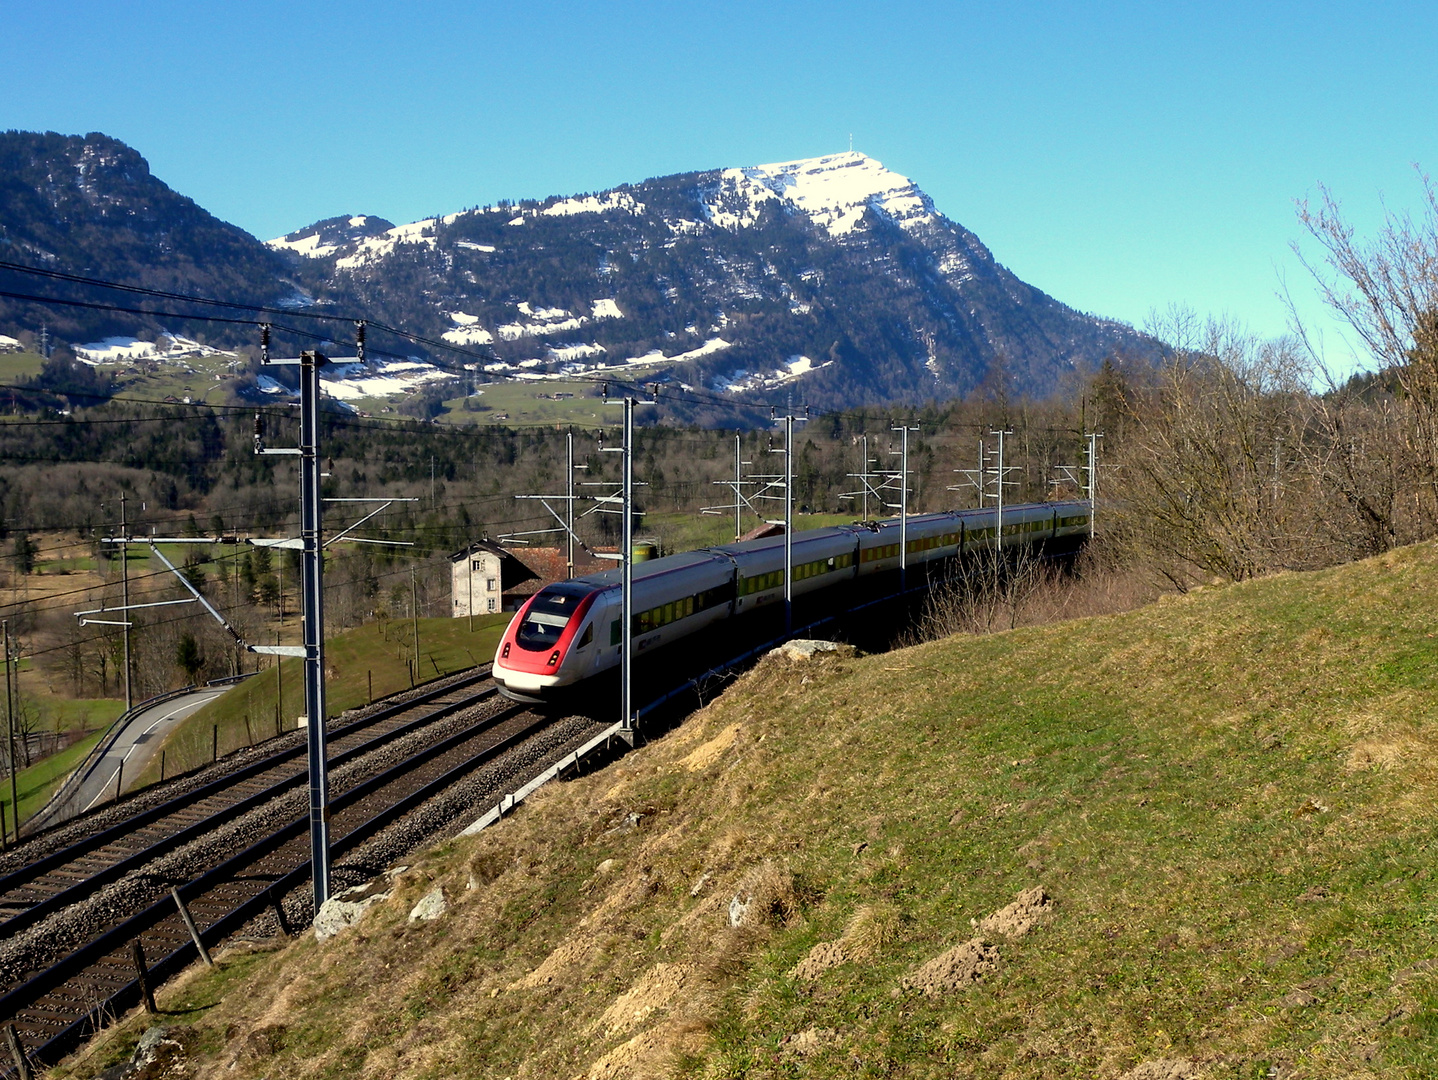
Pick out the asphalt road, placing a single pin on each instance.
(138, 744)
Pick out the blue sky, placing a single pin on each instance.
(1121, 156)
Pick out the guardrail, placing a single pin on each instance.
(81, 772)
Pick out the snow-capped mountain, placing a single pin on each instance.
(834, 277)
(833, 281)
(325, 238)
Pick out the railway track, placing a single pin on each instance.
(399, 776)
(62, 877)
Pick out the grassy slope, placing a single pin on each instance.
(1229, 795)
(36, 784)
(246, 713)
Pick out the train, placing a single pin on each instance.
(570, 631)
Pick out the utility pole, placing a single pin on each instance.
(313, 600)
(975, 478)
(414, 612)
(1000, 472)
(125, 595)
(1093, 439)
(10, 731)
(788, 522)
(626, 540)
(311, 547)
(569, 505)
(565, 521)
(904, 430)
(738, 480)
(864, 469)
(627, 598)
(737, 486)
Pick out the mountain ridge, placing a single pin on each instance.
(832, 279)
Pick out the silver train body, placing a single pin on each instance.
(569, 632)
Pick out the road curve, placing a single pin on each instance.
(137, 745)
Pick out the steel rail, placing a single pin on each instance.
(81, 889)
(20, 876)
(228, 873)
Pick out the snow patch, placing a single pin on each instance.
(713, 345)
(374, 248)
(793, 368)
(605, 309)
(115, 350)
(268, 385)
(9, 344)
(389, 379)
(308, 246)
(593, 204)
(468, 335)
(570, 353)
(518, 221)
(471, 246)
(833, 191)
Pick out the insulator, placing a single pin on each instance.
(259, 425)
(359, 340)
(265, 343)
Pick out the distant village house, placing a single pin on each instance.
(486, 578)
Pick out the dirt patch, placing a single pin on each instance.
(1031, 907)
(960, 967)
(822, 957)
(650, 1054)
(704, 756)
(570, 954)
(658, 988)
(810, 1041)
(1165, 1069)
(872, 927)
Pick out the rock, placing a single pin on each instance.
(738, 908)
(430, 906)
(343, 910)
(161, 1052)
(808, 648)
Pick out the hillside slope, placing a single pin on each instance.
(89, 205)
(1227, 796)
(833, 277)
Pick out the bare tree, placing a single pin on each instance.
(1386, 291)
(1213, 481)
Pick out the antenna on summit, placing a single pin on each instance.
(851, 142)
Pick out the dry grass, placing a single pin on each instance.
(1023, 591)
(1226, 793)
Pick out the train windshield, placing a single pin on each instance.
(548, 615)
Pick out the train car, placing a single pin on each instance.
(822, 557)
(570, 631)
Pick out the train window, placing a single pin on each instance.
(549, 613)
(588, 636)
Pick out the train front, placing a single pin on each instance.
(541, 651)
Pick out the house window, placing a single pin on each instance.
(491, 584)
(493, 604)
(477, 564)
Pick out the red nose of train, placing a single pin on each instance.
(530, 657)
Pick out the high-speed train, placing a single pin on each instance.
(570, 631)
